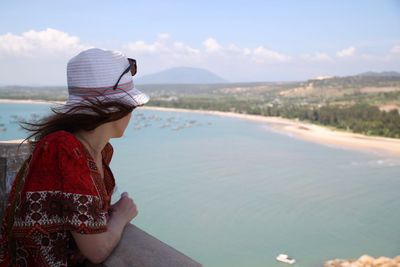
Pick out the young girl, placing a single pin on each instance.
(58, 211)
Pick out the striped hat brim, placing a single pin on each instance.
(131, 96)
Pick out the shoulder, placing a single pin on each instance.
(61, 140)
(56, 147)
(53, 156)
(59, 137)
(69, 145)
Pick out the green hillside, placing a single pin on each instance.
(368, 103)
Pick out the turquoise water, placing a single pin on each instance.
(228, 192)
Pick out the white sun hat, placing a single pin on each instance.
(104, 75)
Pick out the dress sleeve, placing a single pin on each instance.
(83, 208)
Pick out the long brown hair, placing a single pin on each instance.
(85, 116)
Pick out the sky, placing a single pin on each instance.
(241, 41)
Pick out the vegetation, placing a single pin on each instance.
(358, 118)
(353, 103)
(54, 93)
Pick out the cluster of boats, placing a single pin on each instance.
(141, 121)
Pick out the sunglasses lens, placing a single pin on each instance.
(132, 62)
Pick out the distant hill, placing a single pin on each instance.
(380, 74)
(331, 87)
(192, 81)
(366, 79)
(181, 75)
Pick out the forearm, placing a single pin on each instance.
(115, 227)
(97, 247)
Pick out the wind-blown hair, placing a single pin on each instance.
(86, 116)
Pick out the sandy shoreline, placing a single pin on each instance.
(302, 130)
(313, 133)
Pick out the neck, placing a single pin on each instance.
(94, 141)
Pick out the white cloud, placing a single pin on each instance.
(234, 48)
(185, 49)
(212, 45)
(141, 47)
(231, 61)
(347, 52)
(259, 54)
(165, 52)
(162, 53)
(263, 55)
(317, 56)
(38, 43)
(246, 51)
(163, 45)
(158, 46)
(395, 49)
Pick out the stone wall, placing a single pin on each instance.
(10, 160)
(136, 248)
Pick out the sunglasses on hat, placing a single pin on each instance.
(132, 67)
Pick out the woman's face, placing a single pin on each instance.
(120, 125)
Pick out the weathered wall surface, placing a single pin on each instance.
(10, 160)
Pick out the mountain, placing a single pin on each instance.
(181, 75)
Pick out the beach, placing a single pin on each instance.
(294, 128)
(311, 132)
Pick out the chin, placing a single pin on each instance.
(118, 135)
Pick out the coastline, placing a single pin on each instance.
(30, 101)
(294, 128)
(311, 132)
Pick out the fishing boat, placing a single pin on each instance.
(285, 258)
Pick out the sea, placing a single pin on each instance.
(233, 193)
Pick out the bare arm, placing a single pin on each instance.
(97, 247)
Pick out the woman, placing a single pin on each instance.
(59, 210)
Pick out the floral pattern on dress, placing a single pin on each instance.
(72, 211)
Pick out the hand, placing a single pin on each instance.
(125, 209)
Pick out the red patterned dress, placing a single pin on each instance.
(63, 192)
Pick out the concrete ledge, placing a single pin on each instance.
(139, 249)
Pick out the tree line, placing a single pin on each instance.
(359, 118)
